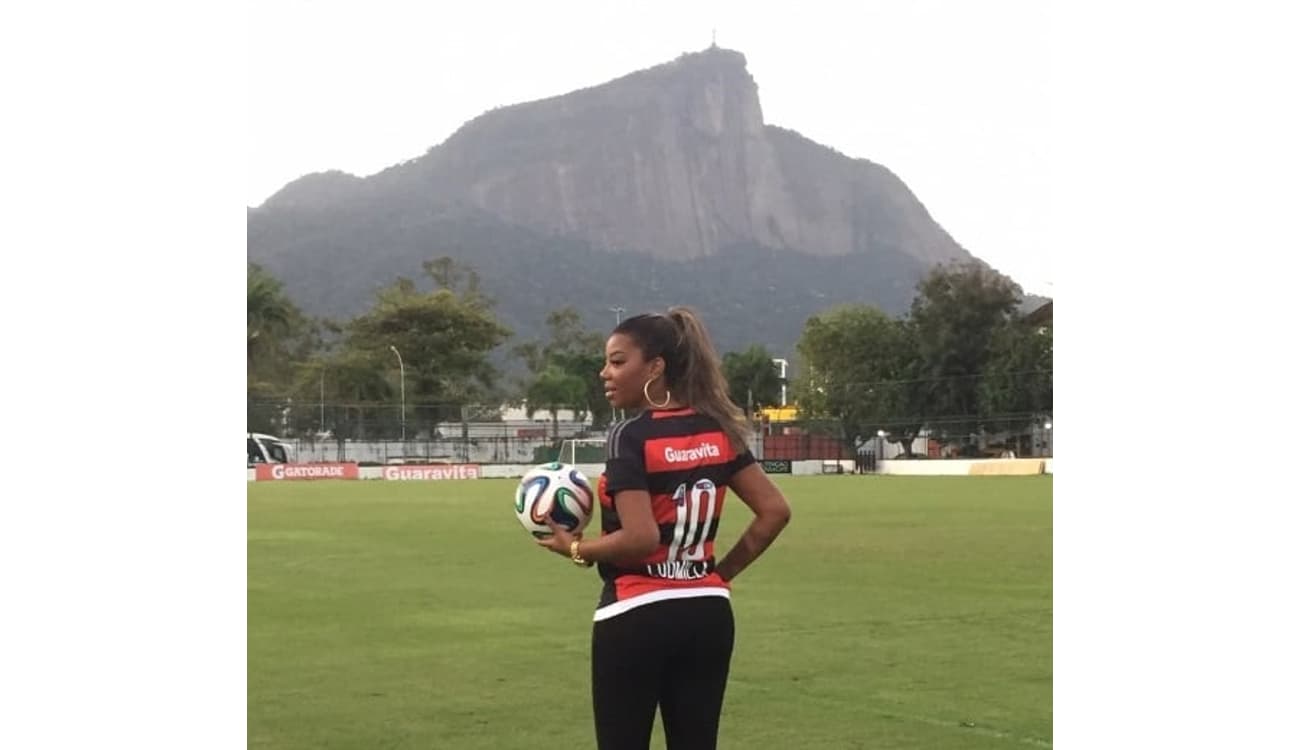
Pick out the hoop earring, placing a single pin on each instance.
(645, 389)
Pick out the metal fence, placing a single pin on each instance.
(373, 434)
(1021, 436)
(484, 450)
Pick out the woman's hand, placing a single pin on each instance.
(559, 541)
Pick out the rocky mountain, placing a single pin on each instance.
(661, 187)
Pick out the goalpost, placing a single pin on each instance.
(582, 451)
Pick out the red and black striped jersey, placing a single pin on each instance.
(685, 461)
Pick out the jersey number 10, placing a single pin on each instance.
(692, 527)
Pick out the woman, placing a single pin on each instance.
(663, 628)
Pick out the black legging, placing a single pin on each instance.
(672, 654)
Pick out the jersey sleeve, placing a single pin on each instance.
(742, 459)
(625, 459)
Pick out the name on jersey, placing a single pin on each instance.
(679, 570)
(675, 453)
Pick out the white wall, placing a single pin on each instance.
(926, 467)
(807, 468)
(949, 467)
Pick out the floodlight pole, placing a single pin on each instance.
(402, 367)
(783, 364)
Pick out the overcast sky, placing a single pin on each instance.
(951, 96)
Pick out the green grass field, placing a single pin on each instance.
(895, 612)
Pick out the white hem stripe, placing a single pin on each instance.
(619, 607)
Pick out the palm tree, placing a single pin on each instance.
(752, 372)
(270, 312)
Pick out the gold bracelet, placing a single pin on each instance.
(576, 557)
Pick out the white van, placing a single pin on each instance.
(267, 449)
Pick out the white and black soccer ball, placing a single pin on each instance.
(554, 489)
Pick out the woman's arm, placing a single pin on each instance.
(771, 514)
(637, 538)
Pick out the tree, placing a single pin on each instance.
(575, 353)
(341, 389)
(279, 336)
(272, 320)
(444, 338)
(1017, 383)
(956, 314)
(451, 275)
(555, 389)
(859, 369)
(355, 386)
(752, 373)
(270, 311)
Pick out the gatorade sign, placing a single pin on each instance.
(272, 472)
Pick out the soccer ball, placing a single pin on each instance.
(556, 489)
